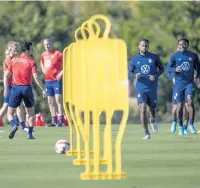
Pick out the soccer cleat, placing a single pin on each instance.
(60, 125)
(51, 125)
(173, 127)
(26, 130)
(181, 131)
(12, 133)
(185, 130)
(147, 137)
(192, 129)
(154, 126)
(30, 137)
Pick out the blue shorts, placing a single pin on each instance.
(19, 93)
(174, 98)
(53, 87)
(6, 99)
(181, 93)
(149, 97)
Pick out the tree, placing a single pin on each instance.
(161, 22)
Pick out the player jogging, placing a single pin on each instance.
(146, 68)
(183, 63)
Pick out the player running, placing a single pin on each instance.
(183, 63)
(146, 68)
(174, 109)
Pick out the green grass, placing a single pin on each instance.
(166, 161)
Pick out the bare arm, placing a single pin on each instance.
(5, 82)
(42, 67)
(39, 83)
(59, 76)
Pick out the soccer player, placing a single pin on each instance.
(183, 63)
(10, 53)
(22, 68)
(174, 108)
(146, 68)
(51, 64)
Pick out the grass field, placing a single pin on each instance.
(166, 161)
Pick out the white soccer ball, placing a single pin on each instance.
(62, 146)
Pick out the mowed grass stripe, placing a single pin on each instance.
(167, 160)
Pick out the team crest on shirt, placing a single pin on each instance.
(52, 56)
(179, 59)
(138, 62)
(47, 63)
(150, 60)
(185, 66)
(138, 95)
(190, 59)
(145, 69)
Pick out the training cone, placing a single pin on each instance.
(39, 120)
(1, 123)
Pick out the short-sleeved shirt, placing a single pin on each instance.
(52, 63)
(22, 68)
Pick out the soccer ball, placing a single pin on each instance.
(62, 146)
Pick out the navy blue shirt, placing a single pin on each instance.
(189, 61)
(146, 65)
(169, 75)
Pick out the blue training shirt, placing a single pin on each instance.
(169, 75)
(189, 61)
(146, 65)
